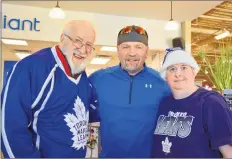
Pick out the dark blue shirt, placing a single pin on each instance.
(195, 126)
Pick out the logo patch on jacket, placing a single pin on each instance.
(78, 124)
(166, 145)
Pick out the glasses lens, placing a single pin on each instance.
(140, 30)
(126, 30)
(78, 43)
(89, 48)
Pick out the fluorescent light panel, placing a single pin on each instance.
(22, 55)
(108, 48)
(14, 42)
(222, 35)
(100, 60)
(90, 71)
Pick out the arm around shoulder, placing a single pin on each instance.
(94, 107)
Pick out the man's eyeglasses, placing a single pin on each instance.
(137, 29)
(79, 44)
(182, 68)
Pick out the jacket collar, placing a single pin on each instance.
(65, 63)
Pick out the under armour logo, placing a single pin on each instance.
(148, 85)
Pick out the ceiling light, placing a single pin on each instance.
(171, 25)
(100, 60)
(22, 55)
(109, 48)
(57, 12)
(223, 35)
(14, 42)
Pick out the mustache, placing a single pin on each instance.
(79, 53)
(132, 58)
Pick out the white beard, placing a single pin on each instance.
(77, 69)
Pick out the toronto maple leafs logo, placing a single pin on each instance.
(78, 124)
(166, 145)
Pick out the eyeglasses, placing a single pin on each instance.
(174, 69)
(79, 44)
(137, 29)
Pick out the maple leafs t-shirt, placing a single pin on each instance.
(194, 127)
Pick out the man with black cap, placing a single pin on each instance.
(128, 96)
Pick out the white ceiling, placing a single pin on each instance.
(160, 10)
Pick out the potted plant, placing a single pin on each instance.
(221, 70)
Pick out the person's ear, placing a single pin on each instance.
(147, 51)
(118, 49)
(61, 37)
(194, 72)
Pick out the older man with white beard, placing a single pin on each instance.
(45, 102)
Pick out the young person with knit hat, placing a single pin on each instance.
(192, 122)
(128, 98)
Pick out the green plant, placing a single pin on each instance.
(221, 69)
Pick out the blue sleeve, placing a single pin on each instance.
(94, 107)
(17, 115)
(218, 119)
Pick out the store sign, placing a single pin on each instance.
(20, 24)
